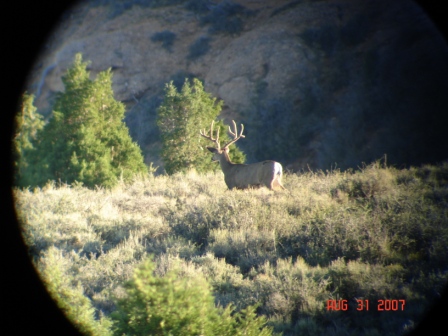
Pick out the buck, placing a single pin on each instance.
(242, 176)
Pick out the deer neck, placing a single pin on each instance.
(225, 162)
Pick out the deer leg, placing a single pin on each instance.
(277, 182)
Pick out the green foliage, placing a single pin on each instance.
(180, 117)
(86, 139)
(174, 305)
(69, 296)
(375, 233)
(28, 124)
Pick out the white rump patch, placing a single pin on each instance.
(277, 169)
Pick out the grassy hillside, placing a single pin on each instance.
(373, 234)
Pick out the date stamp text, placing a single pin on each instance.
(364, 305)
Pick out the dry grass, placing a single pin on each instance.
(375, 233)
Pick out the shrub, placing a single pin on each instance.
(370, 234)
(197, 6)
(366, 184)
(226, 18)
(166, 37)
(69, 295)
(199, 48)
(171, 305)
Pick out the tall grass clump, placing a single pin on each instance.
(371, 234)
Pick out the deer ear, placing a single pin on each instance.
(212, 149)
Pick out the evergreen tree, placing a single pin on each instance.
(28, 124)
(179, 305)
(180, 117)
(86, 140)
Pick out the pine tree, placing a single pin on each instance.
(28, 124)
(180, 117)
(86, 139)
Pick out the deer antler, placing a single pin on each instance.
(234, 134)
(210, 137)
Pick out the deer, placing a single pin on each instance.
(243, 176)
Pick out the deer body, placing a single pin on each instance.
(242, 176)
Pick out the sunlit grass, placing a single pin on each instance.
(373, 233)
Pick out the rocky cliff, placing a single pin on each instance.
(317, 83)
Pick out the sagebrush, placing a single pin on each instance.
(371, 234)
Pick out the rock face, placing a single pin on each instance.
(316, 83)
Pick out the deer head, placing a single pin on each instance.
(219, 151)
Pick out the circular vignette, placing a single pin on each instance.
(26, 297)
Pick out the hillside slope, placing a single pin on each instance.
(377, 234)
(316, 83)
